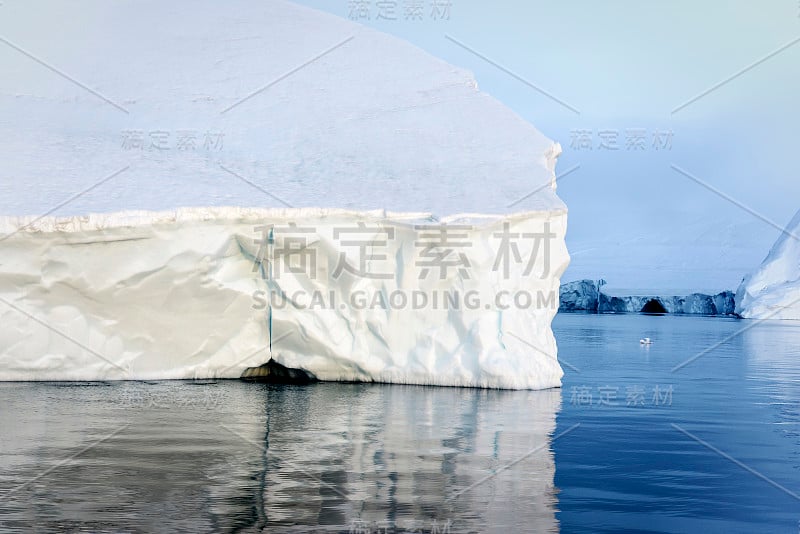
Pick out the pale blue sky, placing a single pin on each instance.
(627, 65)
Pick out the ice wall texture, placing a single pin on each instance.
(773, 290)
(365, 296)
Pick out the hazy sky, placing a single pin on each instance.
(625, 66)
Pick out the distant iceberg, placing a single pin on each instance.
(583, 295)
(379, 172)
(773, 290)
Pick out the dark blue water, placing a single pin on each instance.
(710, 444)
(669, 437)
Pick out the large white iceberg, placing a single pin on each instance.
(321, 123)
(773, 290)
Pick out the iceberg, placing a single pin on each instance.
(209, 293)
(694, 304)
(579, 295)
(773, 290)
(584, 295)
(406, 226)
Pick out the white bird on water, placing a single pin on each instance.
(646, 341)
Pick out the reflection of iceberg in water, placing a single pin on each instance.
(126, 457)
(193, 457)
(774, 346)
(399, 456)
(773, 349)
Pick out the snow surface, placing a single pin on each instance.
(307, 118)
(773, 290)
(374, 123)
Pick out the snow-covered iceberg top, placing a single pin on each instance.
(208, 293)
(773, 290)
(251, 103)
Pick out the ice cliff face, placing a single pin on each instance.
(580, 295)
(694, 304)
(773, 290)
(209, 293)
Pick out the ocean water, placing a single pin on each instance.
(699, 431)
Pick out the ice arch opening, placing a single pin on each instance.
(653, 306)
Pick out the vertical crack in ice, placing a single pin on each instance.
(270, 249)
(500, 329)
